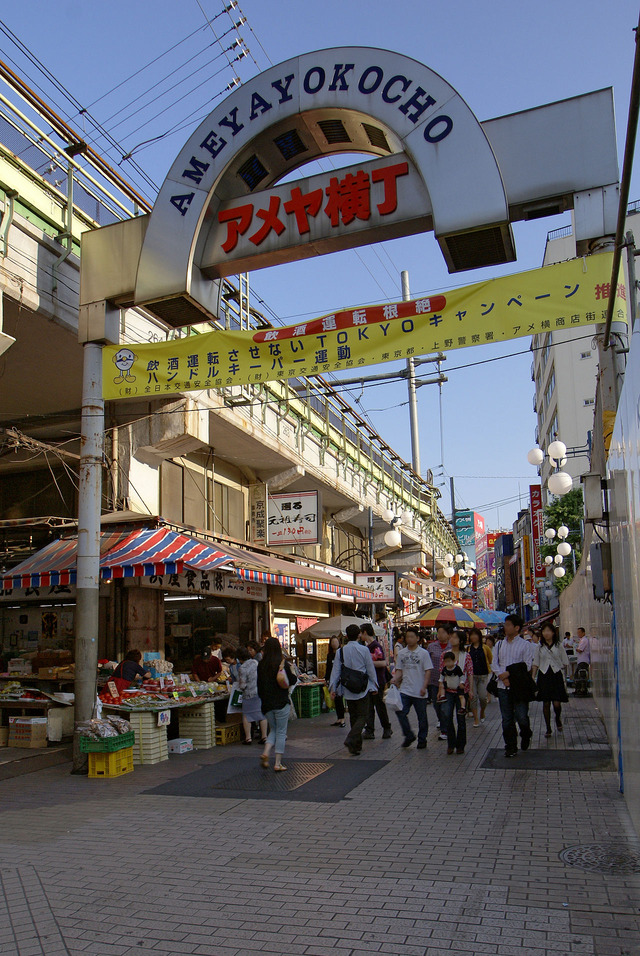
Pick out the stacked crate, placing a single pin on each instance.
(199, 723)
(116, 764)
(151, 741)
(307, 700)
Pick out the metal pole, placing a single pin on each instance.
(88, 574)
(370, 528)
(453, 504)
(413, 400)
(633, 287)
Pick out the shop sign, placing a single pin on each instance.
(46, 593)
(563, 296)
(252, 232)
(381, 583)
(164, 718)
(527, 580)
(537, 535)
(293, 518)
(220, 583)
(258, 511)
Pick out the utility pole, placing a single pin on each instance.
(88, 573)
(453, 503)
(413, 399)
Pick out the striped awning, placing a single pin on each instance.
(160, 551)
(140, 553)
(55, 563)
(319, 583)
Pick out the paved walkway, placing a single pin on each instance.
(428, 854)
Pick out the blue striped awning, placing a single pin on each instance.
(320, 582)
(55, 563)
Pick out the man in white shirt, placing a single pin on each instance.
(356, 657)
(412, 674)
(515, 713)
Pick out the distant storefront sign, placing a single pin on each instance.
(537, 532)
(293, 518)
(205, 583)
(381, 583)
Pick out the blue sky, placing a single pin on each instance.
(500, 56)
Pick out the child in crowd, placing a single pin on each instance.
(452, 681)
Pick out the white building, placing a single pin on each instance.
(564, 371)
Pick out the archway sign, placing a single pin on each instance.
(436, 167)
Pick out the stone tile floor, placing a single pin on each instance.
(429, 855)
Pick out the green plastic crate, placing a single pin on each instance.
(107, 745)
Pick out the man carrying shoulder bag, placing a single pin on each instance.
(354, 676)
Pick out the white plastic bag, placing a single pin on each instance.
(393, 700)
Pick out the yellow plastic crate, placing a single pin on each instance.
(228, 734)
(111, 765)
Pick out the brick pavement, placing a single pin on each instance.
(104, 868)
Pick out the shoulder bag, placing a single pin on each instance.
(352, 680)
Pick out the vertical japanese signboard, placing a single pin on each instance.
(537, 532)
(294, 518)
(258, 510)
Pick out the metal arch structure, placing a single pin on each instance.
(469, 180)
(379, 103)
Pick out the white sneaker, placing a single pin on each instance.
(482, 720)
(442, 737)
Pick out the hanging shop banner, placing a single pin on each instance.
(537, 533)
(381, 583)
(566, 295)
(294, 518)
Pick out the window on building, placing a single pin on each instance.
(226, 510)
(548, 392)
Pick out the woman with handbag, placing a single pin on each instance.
(275, 678)
(549, 662)
(334, 647)
(481, 657)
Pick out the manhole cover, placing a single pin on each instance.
(602, 857)
(296, 776)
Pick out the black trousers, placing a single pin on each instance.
(358, 713)
(377, 705)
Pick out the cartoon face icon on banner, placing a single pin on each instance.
(123, 361)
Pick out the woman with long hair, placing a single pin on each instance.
(549, 663)
(481, 657)
(275, 678)
(334, 647)
(457, 740)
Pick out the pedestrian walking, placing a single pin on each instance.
(334, 647)
(412, 675)
(583, 650)
(398, 643)
(481, 656)
(436, 649)
(549, 662)
(510, 657)
(457, 737)
(376, 701)
(354, 676)
(251, 703)
(275, 678)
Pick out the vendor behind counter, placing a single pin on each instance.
(206, 666)
(128, 669)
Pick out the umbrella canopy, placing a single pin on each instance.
(451, 615)
(328, 626)
(492, 617)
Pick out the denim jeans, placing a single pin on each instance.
(419, 704)
(513, 713)
(455, 740)
(278, 720)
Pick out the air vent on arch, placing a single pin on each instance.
(334, 131)
(252, 171)
(290, 144)
(376, 137)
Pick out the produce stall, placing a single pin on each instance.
(26, 701)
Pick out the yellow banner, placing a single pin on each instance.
(561, 296)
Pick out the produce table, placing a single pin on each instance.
(196, 719)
